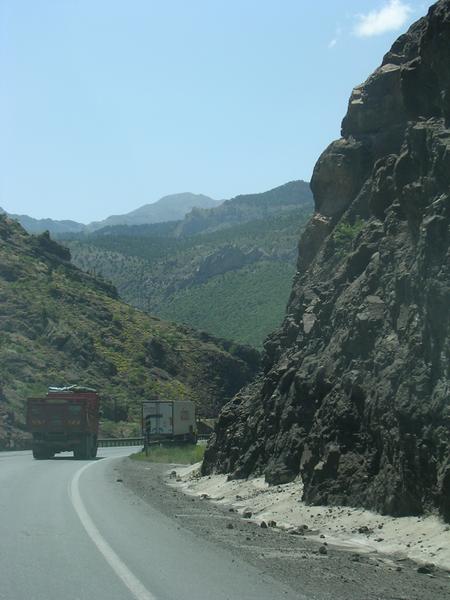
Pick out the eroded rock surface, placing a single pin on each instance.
(355, 394)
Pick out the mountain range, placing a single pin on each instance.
(226, 270)
(222, 267)
(40, 225)
(168, 208)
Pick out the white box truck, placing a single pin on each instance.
(172, 420)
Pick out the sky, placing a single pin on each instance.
(106, 105)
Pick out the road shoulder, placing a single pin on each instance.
(292, 559)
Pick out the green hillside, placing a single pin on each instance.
(191, 279)
(243, 304)
(59, 325)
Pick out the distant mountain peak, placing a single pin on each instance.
(247, 207)
(168, 208)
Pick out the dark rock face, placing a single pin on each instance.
(224, 259)
(355, 394)
(45, 244)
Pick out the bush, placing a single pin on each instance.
(344, 234)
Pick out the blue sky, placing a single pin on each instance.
(106, 105)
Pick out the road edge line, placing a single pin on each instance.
(130, 580)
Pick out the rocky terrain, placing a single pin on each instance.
(355, 392)
(59, 325)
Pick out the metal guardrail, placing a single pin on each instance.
(137, 441)
(102, 443)
(111, 442)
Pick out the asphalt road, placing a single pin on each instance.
(69, 531)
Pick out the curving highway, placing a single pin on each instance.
(68, 531)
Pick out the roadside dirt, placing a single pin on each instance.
(424, 539)
(308, 566)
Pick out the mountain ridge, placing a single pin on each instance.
(246, 207)
(231, 280)
(167, 208)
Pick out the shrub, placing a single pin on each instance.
(344, 234)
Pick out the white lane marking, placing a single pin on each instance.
(138, 590)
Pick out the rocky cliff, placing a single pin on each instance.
(355, 395)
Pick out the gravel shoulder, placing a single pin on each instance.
(424, 539)
(309, 566)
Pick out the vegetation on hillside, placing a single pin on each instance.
(160, 273)
(344, 234)
(243, 305)
(59, 325)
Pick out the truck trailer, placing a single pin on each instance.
(169, 420)
(66, 419)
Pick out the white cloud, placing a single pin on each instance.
(390, 17)
(332, 43)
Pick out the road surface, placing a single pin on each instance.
(70, 531)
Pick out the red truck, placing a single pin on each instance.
(65, 419)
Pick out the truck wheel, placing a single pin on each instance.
(94, 447)
(84, 450)
(40, 454)
(89, 446)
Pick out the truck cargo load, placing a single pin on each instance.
(172, 420)
(66, 419)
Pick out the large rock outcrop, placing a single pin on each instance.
(355, 394)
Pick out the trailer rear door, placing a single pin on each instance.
(183, 417)
(157, 417)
